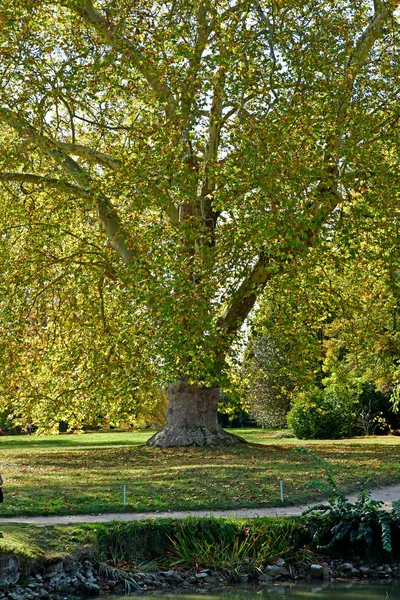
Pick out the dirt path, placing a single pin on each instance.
(386, 494)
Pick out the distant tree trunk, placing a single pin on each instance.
(192, 419)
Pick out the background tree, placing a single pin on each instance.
(213, 144)
(336, 326)
(266, 382)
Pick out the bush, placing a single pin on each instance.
(316, 415)
(362, 526)
(376, 415)
(350, 527)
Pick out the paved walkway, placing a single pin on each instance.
(386, 494)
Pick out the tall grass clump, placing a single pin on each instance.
(210, 542)
(229, 544)
(137, 542)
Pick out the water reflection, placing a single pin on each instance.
(331, 591)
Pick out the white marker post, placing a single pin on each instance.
(281, 488)
(124, 487)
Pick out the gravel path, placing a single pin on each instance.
(386, 494)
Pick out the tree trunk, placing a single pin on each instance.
(192, 419)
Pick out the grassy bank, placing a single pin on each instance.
(32, 543)
(74, 474)
(159, 542)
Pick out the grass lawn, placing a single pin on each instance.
(85, 473)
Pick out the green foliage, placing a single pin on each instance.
(339, 319)
(136, 541)
(318, 415)
(376, 414)
(7, 421)
(162, 165)
(360, 526)
(347, 405)
(396, 508)
(113, 573)
(232, 412)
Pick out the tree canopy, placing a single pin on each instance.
(161, 164)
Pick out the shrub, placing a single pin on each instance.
(360, 527)
(376, 415)
(317, 415)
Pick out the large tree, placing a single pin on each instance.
(212, 142)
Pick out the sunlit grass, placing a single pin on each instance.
(85, 473)
(52, 542)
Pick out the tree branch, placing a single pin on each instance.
(202, 36)
(63, 186)
(359, 56)
(91, 155)
(107, 213)
(110, 34)
(327, 195)
(211, 154)
(243, 300)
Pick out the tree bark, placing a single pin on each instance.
(192, 419)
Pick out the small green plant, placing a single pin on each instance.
(396, 508)
(110, 572)
(362, 524)
(330, 484)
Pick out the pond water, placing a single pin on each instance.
(336, 591)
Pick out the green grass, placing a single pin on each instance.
(72, 474)
(31, 542)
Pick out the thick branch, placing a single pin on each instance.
(192, 83)
(63, 186)
(91, 155)
(108, 216)
(362, 49)
(245, 297)
(243, 300)
(211, 154)
(383, 13)
(202, 35)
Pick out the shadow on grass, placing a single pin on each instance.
(24, 442)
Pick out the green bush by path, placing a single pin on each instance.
(85, 474)
(319, 415)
